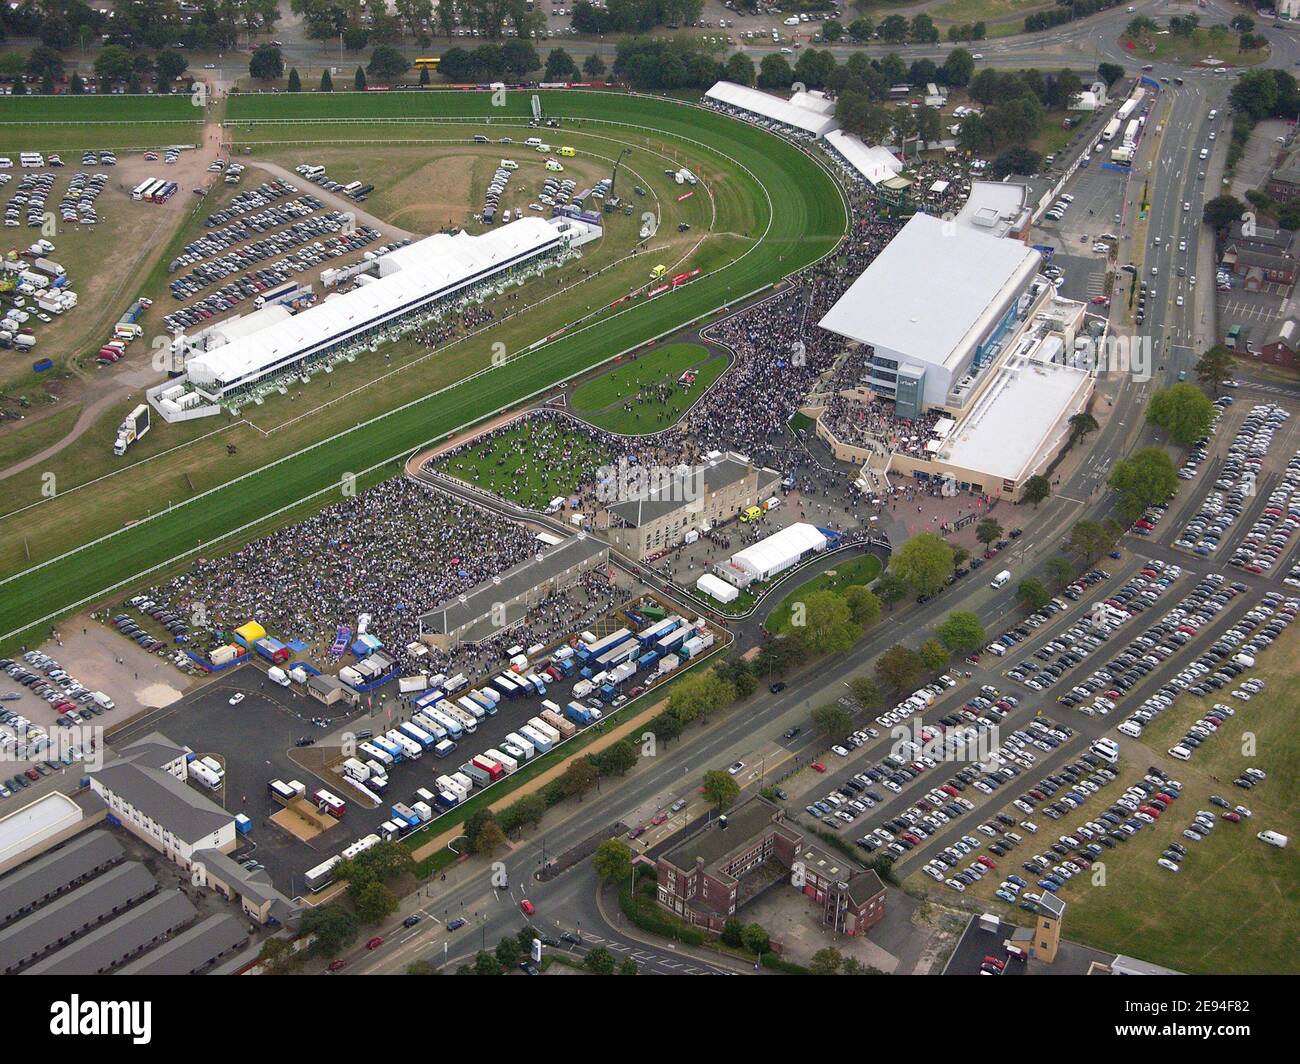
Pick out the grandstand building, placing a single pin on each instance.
(936, 307)
(808, 115)
(404, 283)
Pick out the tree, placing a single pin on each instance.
(359, 81)
(958, 68)
(1222, 211)
(114, 63)
(593, 67)
(267, 63)
(1215, 367)
(1032, 594)
(695, 697)
(1090, 539)
(387, 63)
(618, 759)
(1143, 479)
(375, 902)
(1081, 424)
(740, 69)
(891, 588)
(326, 82)
(720, 788)
(169, 66)
(612, 860)
(865, 692)
(925, 562)
(490, 839)
(826, 962)
(600, 961)
(988, 531)
(355, 38)
(578, 778)
(1182, 411)
(1037, 489)
(832, 720)
(329, 927)
(77, 85)
(560, 66)
(899, 667)
(754, 937)
(628, 967)
(486, 963)
(934, 655)
(893, 29)
(823, 624)
(1110, 73)
(295, 82)
(1060, 571)
(864, 606)
(508, 953)
(529, 809)
(774, 72)
(666, 727)
(962, 632)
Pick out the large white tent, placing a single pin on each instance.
(716, 588)
(780, 550)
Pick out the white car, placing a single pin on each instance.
(840, 751)
(737, 767)
(1164, 862)
(236, 698)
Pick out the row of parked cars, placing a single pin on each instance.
(242, 229)
(1084, 638)
(1269, 537)
(230, 295)
(49, 681)
(245, 257)
(31, 195)
(251, 199)
(1236, 485)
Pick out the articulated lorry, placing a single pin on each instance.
(133, 427)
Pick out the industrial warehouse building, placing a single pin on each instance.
(503, 602)
(694, 499)
(404, 282)
(702, 880)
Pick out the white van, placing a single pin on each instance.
(533, 142)
(278, 675)
(1273, 838)
(1180, 752)
(1001, 579)
(102, 700)
(509, 164)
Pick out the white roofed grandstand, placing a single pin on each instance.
(808, 120)
(407, 279)
(875, 164)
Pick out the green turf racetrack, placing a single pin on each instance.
(800, 213)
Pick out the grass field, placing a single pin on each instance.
(22, 440)
(1216, 42)
(797, 210)
(1234, 905)
(532, 463)
(860, 570)
(72, 123)
(654, 377)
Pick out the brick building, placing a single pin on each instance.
(1260, 256)
(701, 880)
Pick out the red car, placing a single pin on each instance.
(32, 775)
(527, 907)
(817, 766)
(990, 959)
(1231, 817)
(375, 942)
(659, 818)
(987, 862)
(337, 964)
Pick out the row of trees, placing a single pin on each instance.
(151, 24)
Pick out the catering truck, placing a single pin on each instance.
(134, 426)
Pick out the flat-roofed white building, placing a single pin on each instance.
(935, 307)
